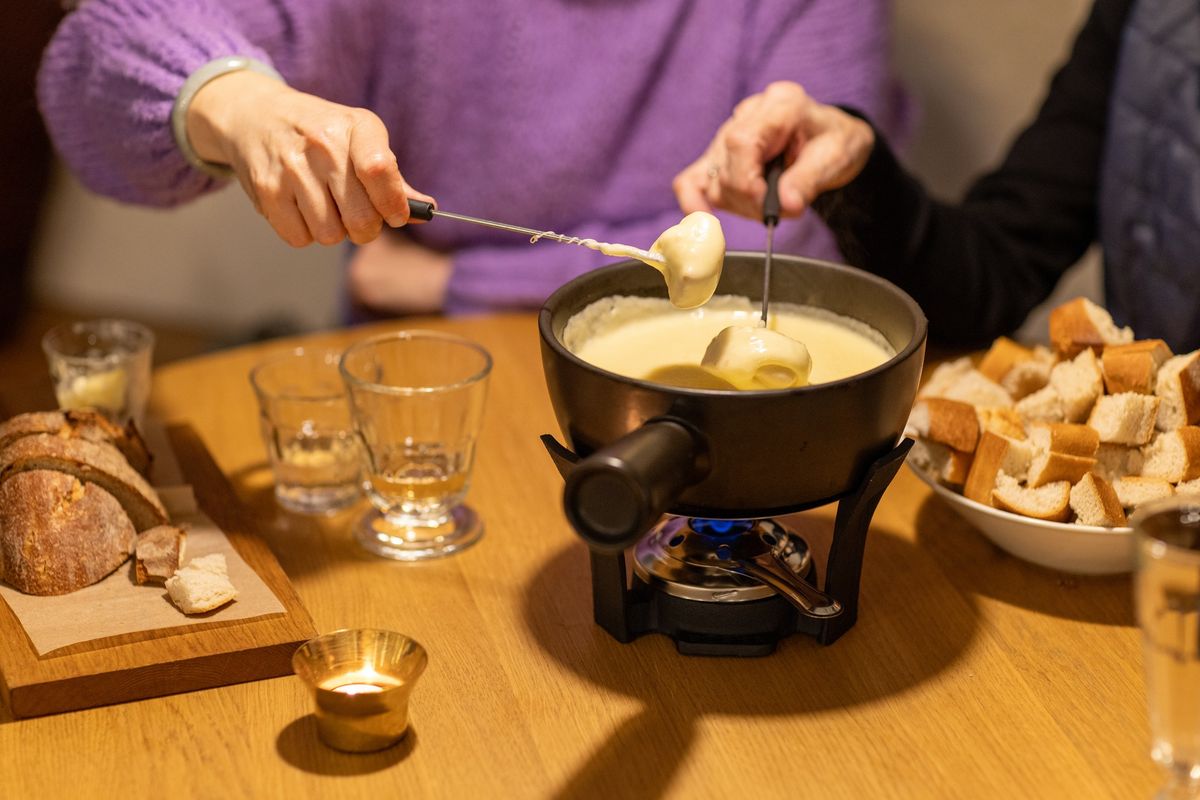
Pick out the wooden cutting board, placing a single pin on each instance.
(152, 664)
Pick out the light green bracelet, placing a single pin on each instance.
(194, 83)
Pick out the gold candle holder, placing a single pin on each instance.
(361, 680)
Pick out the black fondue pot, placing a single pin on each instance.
(639, 449)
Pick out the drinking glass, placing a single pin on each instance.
(1167, 591)
(306, 426)
(102, 364)
(417, 399)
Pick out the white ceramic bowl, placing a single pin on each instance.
(1065, 546)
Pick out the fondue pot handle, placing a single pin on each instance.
(617, 493)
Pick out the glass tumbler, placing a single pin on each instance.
(102, 364)
(417, 398)
(1167, 594)
(305, 420)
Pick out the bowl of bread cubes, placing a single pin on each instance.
(1047, 450)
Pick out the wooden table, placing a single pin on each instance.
(969, 673)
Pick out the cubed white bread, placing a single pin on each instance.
(1044, 405)
(1002, 356)
(1117, 461)
(1133, 367)
(1134, 491)
(975, 388)
(1048, 467)
(1188, 487)
(1066, 438)
(1051, 502)
(1095, 502)
(995, 454)
(1027, 377)
(1173, 455)
(203, 585)
(1079, 382)
(1178, 385)
(1126, 418)
(949, 422)
(1079, 324)
(945, 375)
(1004, 421)
(943, 463)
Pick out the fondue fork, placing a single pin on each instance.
(770, 219)
(419, 209)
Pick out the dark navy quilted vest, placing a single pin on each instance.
(1150, 179)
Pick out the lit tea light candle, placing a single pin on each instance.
(361, 680)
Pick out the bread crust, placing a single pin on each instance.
(949, 422)
(1095, 502)
(157, 553)
(1079, 324)
(1051, 502)
(91, 462)
(86, 424)
(1002, 356)
(58, 534)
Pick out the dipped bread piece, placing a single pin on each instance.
(90, 462)
(59, 534)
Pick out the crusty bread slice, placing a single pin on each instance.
(1178, 384)
(1079, 324)
(203, 585)
(1117, 461)
(1133, 367)
(158, 553)
(58, 534)
(1173, 455)
(1095, 502)
(1078, 382)
(995, 455)
(91, 462)
(945, 464)
(86, 424)
(1051, 502)
(1065, 438)
(1135, 491)
(1044, 405)
(949, 422)
(1126, 418)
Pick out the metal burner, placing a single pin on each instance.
(667, 557)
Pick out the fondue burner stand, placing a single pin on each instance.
(735, 587)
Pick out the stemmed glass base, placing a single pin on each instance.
(419, 541)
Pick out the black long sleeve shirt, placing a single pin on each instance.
(978, 267)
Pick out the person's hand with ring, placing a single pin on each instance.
(824, 147)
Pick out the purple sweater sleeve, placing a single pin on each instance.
(838, 50)
(110, 75)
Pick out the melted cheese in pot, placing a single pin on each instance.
(644, 337)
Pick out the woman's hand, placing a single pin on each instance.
(824, 147)
(394, 274)
(318, 171)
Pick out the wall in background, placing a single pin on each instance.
(977, 68)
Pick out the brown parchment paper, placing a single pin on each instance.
(118, 607)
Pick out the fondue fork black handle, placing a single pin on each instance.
(771, 172)
(619, 492)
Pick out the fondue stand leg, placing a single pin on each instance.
(770, 219)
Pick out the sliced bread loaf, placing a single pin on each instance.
(91, 426)
(91, 462)
(58, 534)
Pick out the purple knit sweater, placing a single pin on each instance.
(571, 115)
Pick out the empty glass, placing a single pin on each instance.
(1167, 591)
(102, 364)
(305, 421)
(417, 398)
